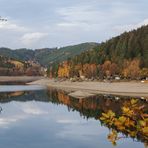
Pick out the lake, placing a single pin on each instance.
(34, 117)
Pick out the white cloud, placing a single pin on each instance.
(6, 121)
(30, 39)
(20, 111)
(89, 17)
(33, 109)
(12, 27)
(81, 16)
(129, 27)
(67, 23)
(84, 127)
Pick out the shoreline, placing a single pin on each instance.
(86, 89)
(25, 79)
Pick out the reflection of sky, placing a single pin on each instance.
(12, 88)
(42, 125)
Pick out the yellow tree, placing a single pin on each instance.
(131, 68)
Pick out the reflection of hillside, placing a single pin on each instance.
(125, 115)
(16, 94)
(24, 96)
(120, 114)
(95, 104)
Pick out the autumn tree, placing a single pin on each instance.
(144, 73)
(131, 68)
(106, 68)
(64, 70)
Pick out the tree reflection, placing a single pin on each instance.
(123, 115)
(1, 109)
(133, 121)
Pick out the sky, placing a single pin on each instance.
(55, 23)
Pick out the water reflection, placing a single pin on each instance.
(119, 114)
(14, 88)
(124, 117)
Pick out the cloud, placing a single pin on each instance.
(67, 22)
(20, 111)
(33, 109)
(78, 16)
(70, 130)
(12, 27)
(93, 16)
(30, 39)
(123, 28)
(6, 121)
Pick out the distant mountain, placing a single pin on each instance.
(46, 56)
(125, 55)
(20, 54)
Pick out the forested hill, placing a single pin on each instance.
(128, 46)
(60, 54)
(13, 67)
(46, 55)
(125, 55)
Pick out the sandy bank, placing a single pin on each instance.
(84, 89)
(24, 79)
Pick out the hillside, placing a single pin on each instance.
(5, 63)
(20, 54)
(14, 67)
(46, 55)
(125, 55)
(10, 66)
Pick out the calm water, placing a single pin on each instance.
(42, 118)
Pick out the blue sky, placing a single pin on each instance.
(52, 23)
